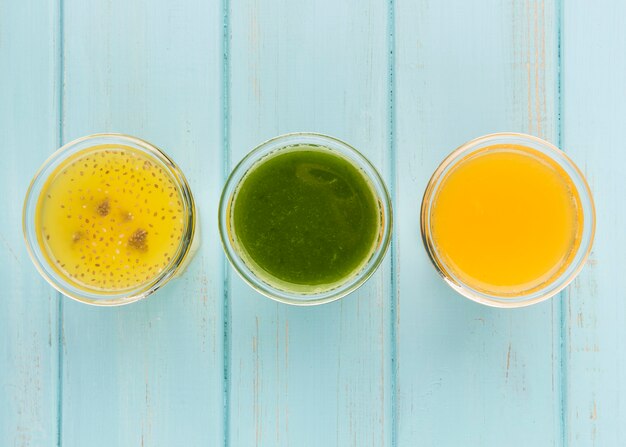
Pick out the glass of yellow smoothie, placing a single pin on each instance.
(109, 219)
(508, 220)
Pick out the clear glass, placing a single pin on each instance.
(576, 263)
(183, 254)
(285, 293)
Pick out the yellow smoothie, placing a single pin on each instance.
(110, 218)
(506, 219)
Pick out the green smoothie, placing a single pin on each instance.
(306, 216)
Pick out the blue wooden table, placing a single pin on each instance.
(402, 362)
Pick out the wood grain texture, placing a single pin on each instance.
(310, 376)
(155, 373)
(149, 373)
(28, 306)
(469, 374)
(594, 109)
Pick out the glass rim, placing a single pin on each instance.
(573, 267)
(94, 296)
(353, 156)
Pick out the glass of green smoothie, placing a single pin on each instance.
(305, 218)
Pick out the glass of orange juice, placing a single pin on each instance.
(109, 219)
(508, 220)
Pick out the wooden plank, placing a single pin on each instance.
(150, 373)
(310, 376)
(594, 110)
(469, 374)
(28, 306)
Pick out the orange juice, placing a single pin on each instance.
(110, 218)
(506, 219)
